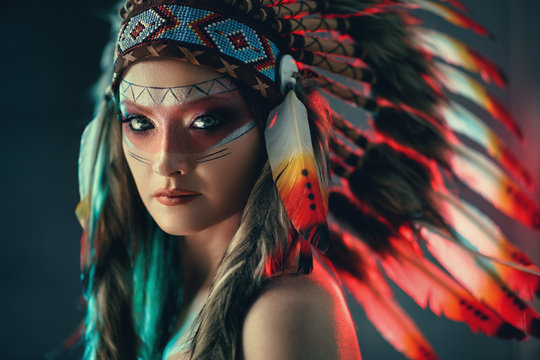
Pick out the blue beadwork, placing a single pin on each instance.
(188, 25)
(139, 28)
(222, 31)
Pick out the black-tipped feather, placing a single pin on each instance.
(413, 132)
(394, 186)
(372, 231)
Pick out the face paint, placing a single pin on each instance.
(211, 123)
(209, 155)
(201, 143)
(168, 96)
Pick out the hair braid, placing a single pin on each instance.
(133, 273)
(238, 280)
(109, 329)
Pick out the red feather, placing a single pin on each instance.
(290, 153)
(369, 288)
(483, 235)
(484, 177)
(460, 83)
(452, 16)
(429, 286)
(464, 122)
(457, 5)
(456, 53)
(479, 278)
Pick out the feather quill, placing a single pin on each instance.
(290, 152)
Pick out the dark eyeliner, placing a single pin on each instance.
(127, 119)
(220, 118)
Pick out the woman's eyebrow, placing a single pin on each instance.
(126, 103)
(167, 96)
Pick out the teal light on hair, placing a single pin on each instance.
(151, 269)
(99, 192)
(93, 158)
(92, 179)
(155, 280)
(143, 258)
(90, 335)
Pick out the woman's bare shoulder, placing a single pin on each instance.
(300, 317)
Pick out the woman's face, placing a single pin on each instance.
(190, 143)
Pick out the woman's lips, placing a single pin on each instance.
(174, 197)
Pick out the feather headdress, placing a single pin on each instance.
(388, 205)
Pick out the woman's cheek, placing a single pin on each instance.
(141, 172)
(233, 176)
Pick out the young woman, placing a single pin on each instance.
(204, 182)
(205, 200)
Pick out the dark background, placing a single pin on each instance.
(50, 58)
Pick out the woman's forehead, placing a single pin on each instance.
(168, 72)
(168, 82)
(170, 96)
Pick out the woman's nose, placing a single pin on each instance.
(168, 162)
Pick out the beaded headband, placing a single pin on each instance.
(199, 36)
(229, 38)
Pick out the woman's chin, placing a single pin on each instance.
(181, 225)
(178, 227)
(186, 223)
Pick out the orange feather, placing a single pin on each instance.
(290, 152)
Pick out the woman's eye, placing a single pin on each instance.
(139, 123)
(207, 122)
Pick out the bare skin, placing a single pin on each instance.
(295, 317)
(301, 317)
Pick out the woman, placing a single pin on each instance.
(201, 198)
(204, 187)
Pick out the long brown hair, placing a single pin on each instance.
(132, 268)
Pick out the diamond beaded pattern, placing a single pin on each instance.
(190, 26)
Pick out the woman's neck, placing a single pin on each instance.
(202, 252)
